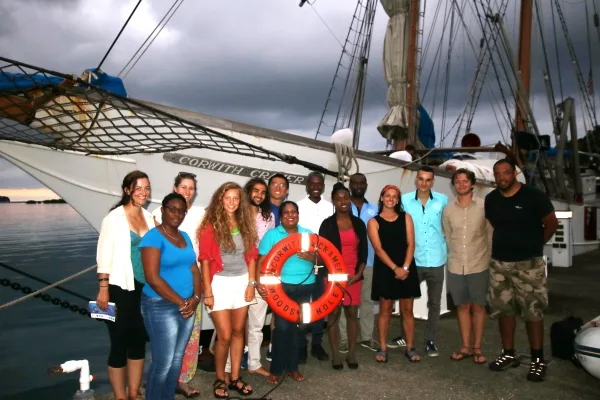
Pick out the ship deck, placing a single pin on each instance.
(573, 291)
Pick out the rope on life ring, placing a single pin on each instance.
(280, 302)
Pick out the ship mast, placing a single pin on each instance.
(525, 28)
(412, 93)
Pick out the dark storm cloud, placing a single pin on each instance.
(270, 63)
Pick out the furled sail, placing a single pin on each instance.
(395, 50)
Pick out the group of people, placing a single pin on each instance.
(160, 268)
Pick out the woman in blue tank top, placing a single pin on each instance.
(170, 296)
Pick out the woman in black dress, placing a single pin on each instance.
(394, 271)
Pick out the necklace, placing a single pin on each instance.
(166, 233)
(235, 231)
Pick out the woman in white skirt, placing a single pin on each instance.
(227, 240)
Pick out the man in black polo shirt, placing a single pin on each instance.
(523, 220)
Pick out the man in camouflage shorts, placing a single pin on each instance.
(523, 220)
(518, 288)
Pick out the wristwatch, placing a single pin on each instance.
(406, 267)
(252, 283)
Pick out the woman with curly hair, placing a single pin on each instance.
(227, 240)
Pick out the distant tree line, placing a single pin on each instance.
(4, 199)
(53, 201)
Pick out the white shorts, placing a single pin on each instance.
(229, 292)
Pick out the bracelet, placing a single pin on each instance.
(102, 279)
(208, 297)
(103, 285)
(395, 268)
(196, 296)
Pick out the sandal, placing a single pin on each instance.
(478, 357)
(297, 376)
(244, 390)
(220, 384)
(187, 391)
(412, 355)
(461, 355)
(381, 356)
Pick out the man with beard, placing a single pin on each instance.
(256, 189)
(365, 211)
(468, 235)
(523, 219)
(313, 209)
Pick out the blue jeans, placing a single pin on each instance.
(289, 338)
(169, 333)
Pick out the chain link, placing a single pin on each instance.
(46, 297)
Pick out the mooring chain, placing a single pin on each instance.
(45, 297)
(37, 292)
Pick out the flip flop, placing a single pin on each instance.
(381, 353)
(188, 394)
(478, 357)
(460, 355)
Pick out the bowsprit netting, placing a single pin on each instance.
(92, 114)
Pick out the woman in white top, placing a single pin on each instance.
(120, 277)
(185, 185)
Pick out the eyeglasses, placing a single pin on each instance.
(186, 174)
(175, 210)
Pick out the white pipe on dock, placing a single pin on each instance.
(84, 376)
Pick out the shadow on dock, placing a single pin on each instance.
(573, 291)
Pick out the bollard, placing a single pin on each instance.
(85, 378)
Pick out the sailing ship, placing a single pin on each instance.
(80, 135)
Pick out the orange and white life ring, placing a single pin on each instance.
(280, 302)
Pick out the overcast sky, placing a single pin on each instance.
(271, 63)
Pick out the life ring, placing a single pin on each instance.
(280, 302)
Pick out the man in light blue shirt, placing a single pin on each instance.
(365, 211)
(426, 207)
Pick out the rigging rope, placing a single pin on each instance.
(493, 48)
(590, 86)
(148, 38)
(118, 35)
(576, 67)
(345, 156)
(562, 96)
(153, 39)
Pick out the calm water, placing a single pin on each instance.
(50, 241)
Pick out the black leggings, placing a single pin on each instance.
(127, 334)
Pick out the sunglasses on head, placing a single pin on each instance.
(187, 174)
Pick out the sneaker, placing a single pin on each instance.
(244, 364)
(268, 357)
(370, 344)
(396, 342)
(344, 347)
(320, 353)
(537, 370)
(505, 361)
(431, 349)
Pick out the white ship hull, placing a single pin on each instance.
(91, 184)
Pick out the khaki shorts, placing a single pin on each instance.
(518, 288)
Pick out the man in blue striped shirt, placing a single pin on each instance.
(426, 207)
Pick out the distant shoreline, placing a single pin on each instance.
(51, 201)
